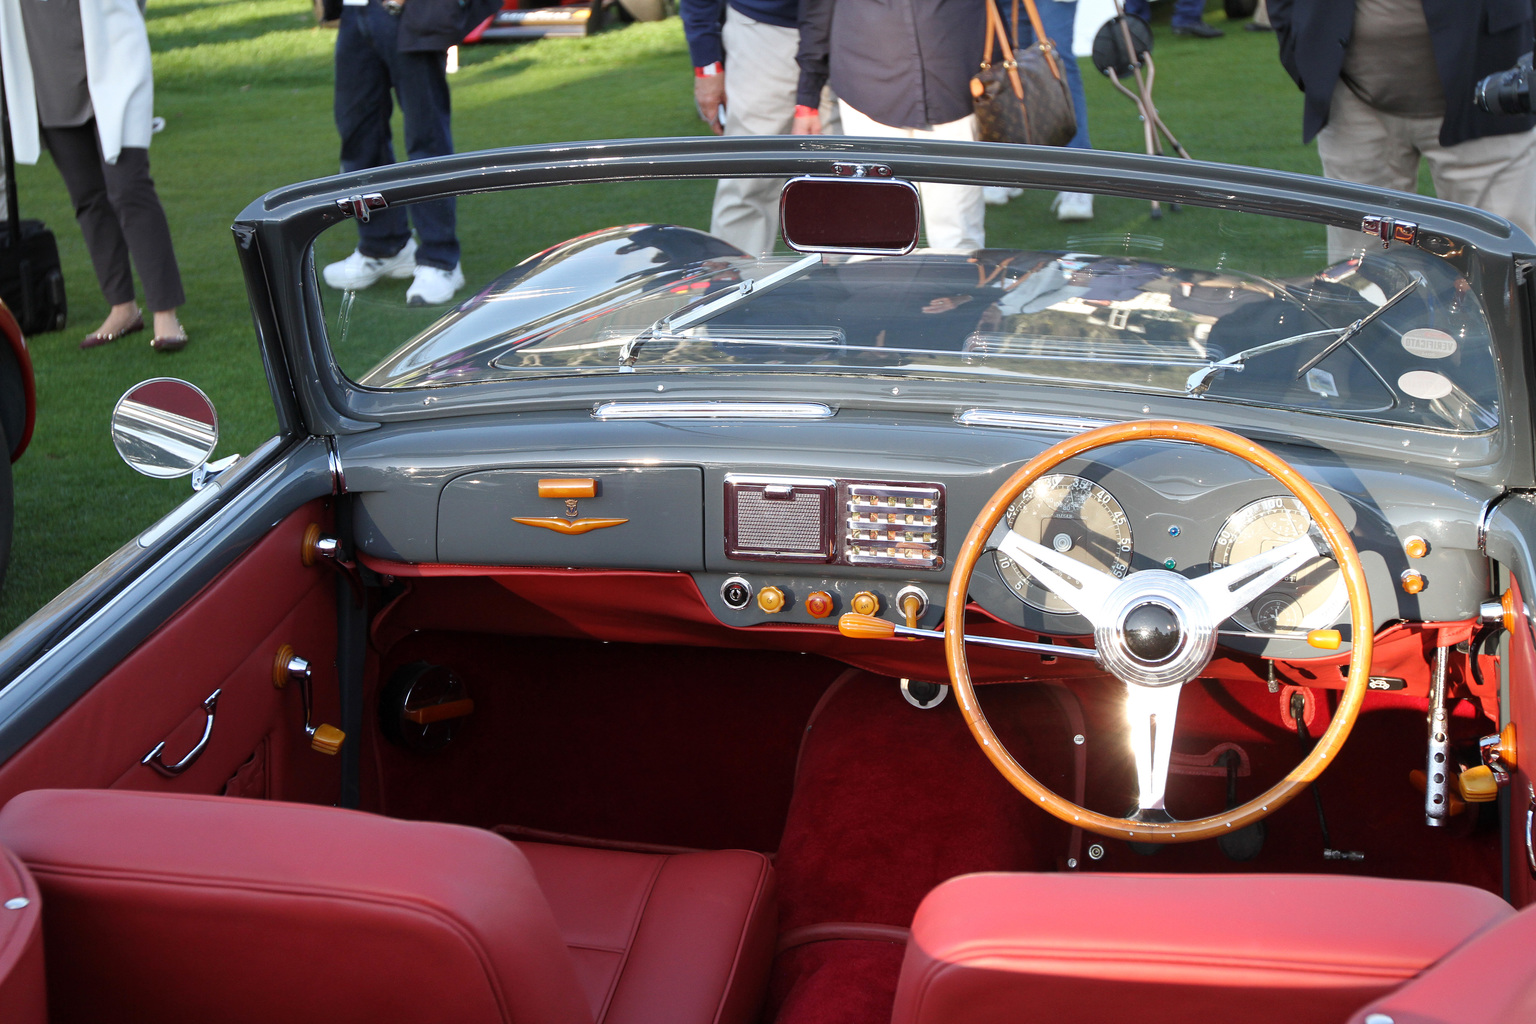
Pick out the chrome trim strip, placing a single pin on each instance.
(712, 411)
(1026, 421)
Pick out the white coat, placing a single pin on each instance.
(117, 72)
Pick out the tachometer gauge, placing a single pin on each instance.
(1076, 517)
(1311, 598)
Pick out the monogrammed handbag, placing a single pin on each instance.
(1025, 98)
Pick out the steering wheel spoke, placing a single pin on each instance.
(1229, 589)
(1150, 715)
(1084, 588)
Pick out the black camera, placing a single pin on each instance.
(1507, 92)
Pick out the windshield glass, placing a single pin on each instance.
(1214, 306)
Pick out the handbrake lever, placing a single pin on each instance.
(872, 627)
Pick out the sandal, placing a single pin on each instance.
(107, 337)
(170, 343)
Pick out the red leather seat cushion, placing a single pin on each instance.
(184, 908)
(1261, 949)
(22, 995)
(670, 939)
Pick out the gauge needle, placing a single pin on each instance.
(1359, 325)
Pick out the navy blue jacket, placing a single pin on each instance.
(1471, 39)
(702, 20)
(904, 63)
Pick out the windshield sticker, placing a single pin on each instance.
(1321, 381)
(1429, 343)
(1425, 384)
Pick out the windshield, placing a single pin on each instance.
(1388, 335)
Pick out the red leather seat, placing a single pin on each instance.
(1159, 949)
(663, 938)
(179, 908)
(22, 999)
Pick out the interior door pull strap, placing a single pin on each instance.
(170, 771)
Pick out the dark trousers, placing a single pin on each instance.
(119, 213)
(368, 66)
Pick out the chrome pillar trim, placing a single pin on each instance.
(1438, 768)
(1026, 421)
(170, 771)
(712, 411)
(1530, 828)
(333, 462)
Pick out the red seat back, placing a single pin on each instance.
(1263, 949)
(179, 908)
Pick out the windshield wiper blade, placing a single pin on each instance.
(1361, 324)
(673, 323)
(1200, 381)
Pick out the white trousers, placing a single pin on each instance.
(761, 78)
(954, 216)
(1359, 143)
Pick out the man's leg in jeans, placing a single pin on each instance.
(421, 85)
(363, 109)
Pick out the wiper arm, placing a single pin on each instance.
(673, 323)
(1200, 381)
(1361, 324)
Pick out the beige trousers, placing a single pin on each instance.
(761, 78)
(954, 216)
(1359, 143)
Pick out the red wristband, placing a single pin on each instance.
(801, 110)
(709, 70)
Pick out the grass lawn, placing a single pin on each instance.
(245, 88)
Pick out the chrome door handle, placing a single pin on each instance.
(170, 771)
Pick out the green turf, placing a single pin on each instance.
(245, 87)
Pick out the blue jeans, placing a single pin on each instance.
(368, 66)
(1058, 19)
(1185, 12)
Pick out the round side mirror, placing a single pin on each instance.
(165, 428)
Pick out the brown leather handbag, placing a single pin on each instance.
(1026, 98)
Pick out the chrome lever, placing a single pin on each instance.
(170, 771)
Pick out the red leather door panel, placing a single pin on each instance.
(225, 637)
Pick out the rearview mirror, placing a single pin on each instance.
(165, 428)
(866, 216)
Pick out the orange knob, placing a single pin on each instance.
(770, 599)
(1325, 639)
(1413, 582)
(865, 603)
(1416, 547)
(819, 604)
(327, 739)
(865, 627)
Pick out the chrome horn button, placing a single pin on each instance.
(1157, 630)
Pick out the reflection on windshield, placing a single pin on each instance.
(1078, 319)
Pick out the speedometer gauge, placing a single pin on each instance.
(1313, 597)
(1074, 516)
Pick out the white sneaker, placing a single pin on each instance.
(433, 287)
(358, 271)
(997, 195)
(1073, 206)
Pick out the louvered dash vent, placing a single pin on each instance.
(779, 519)
(893, 524)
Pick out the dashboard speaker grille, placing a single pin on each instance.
(779, 519)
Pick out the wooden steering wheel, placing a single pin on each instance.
(1155, 630)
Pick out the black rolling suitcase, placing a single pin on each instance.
(31, 282)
